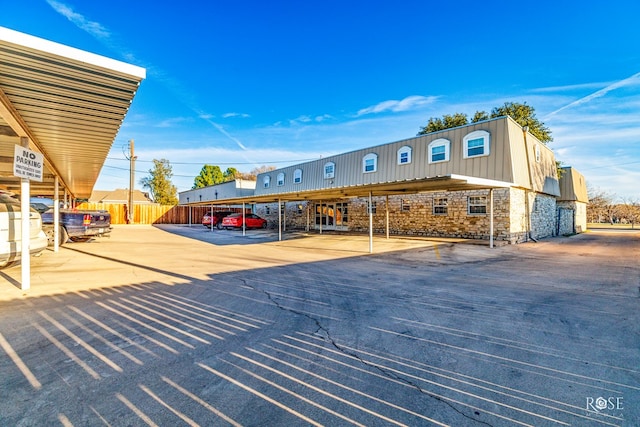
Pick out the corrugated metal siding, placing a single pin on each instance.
(573, 186)
(506, 162)
(538, 176)
(226, 190)
(520, 170)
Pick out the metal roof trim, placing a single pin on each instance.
(36, 43)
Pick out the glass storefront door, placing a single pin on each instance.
(332, 216)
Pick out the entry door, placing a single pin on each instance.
(332, 216)
(325, 216)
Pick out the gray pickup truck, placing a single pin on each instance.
(77, 225)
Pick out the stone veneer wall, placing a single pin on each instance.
(543, 216)
(537, 209)
(295, 215)
(581, 217)
(510, 215)
(419, 219)
(572, 217)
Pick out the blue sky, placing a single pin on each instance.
(250, 83)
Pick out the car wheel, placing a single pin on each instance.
(264, 224)
(219, 226)
(63, 237)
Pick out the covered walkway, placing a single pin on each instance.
(439, 183)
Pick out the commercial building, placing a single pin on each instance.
(487, 180)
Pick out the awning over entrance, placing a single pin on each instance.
(69, 103)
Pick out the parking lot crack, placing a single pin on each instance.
(326, 335)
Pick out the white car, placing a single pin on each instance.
(11, 230)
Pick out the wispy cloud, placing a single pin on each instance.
(171, 122)
(231, 115)
(406, 104)
(306, 119)
(91, 27)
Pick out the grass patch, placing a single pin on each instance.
(613, 226)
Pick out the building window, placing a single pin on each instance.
(329, 170)
(476, 144)
(297, 176)
(477, 205)
(440, 206)
(280, 179)
(266, 181)
(404, 155)
(300, 209)
(370, 163)
(537, 151)
(405, 205)
(267, 210)
(371, 209)
(439, 150)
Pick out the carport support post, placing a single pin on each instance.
(321, 217)
(491, 218)
(386, 215)
(56, 214)
(308, 216)
(211, 217)
(244, 219)
(25, 238)
(284, 215)
(279, 220)
(370, 223)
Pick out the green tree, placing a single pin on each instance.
(159, 183)
(480, 116)
(447, 121)
(230, 174)
(524, 115)
(209, 175)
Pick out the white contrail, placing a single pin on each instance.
(597, 94)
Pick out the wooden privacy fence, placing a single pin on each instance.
(156, 214)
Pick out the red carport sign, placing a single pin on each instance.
(28, 164)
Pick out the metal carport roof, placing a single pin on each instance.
(68, 102)
(437, 183)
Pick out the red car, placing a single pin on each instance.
(217, 218)
(251, 221)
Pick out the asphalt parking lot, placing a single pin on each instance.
(179, 325)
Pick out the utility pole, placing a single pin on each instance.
(132, 164)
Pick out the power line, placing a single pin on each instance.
(219, 163)
(145, 171)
